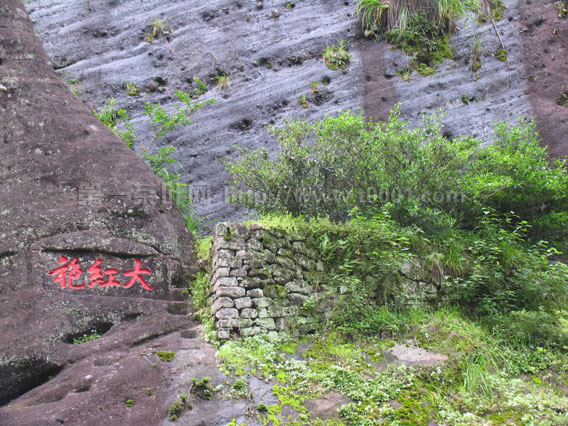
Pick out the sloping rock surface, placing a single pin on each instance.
(273, 52)
(90, 243)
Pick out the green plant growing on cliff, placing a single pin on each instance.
(223, 81)
(117, 120)
(132, 89)
(74, 85)
(86, 338)
(157, 29)
(162, 122)
(562, 7)
(380, 16)
(501, 54)
(336, 57)
(476, 51)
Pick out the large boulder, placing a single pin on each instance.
(90, 241)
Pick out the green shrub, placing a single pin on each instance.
(540, 328)
(515, 174)
(330, 167)
(338, 164)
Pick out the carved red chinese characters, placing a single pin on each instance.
(70, 271)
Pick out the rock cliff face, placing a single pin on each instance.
(272, 51)
(89, 241)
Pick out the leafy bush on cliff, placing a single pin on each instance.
(339, 164)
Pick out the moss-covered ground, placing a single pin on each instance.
(487, 380)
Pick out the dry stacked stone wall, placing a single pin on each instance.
(260, 278)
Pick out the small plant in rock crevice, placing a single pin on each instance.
(303, 101)
(336, 57)
(158, 29)
(501, 54)
(563, 99)
(202, 388)
(223, 81)
(132, 89)
(178, 407)
(86, 338)
(476, 51)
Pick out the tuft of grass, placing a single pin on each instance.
(303, 101)
(129, 403)
(223, 81)
(476, 50)
(501, 54)
(336, 57)
(166, 356)
(563, 99)
(178, 407)
(86, 338)
(132, 89)
(74, 85)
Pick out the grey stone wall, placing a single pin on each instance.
(260, 278)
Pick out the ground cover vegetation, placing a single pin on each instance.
(489, 240)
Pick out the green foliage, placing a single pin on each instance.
(303, 101)
(86, 338)
(162, 161)
(74, 86)
(515, 174)
(163, 122)
(166, 356)
(158, 29)
(562, 7)
(378, 17)
(330, 167)
(132, 89)
(475, 55)
(129, 403)
(501, 54)
(486, 381)
(336, 57)
(200, 289)
(563, 99)
(202, 388)
(338, 164)
(223, 81)
(178, 407)
(116, 119)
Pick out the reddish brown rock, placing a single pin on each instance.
(74, 196)
(545, 48)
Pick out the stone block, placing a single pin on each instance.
(267, 323)
(251, 331)
(278, 311)
(296, 299)
(234, 323)
(255, 292)
(232, 292)
(262, 302)
(222, 302)
(239, 273)
(227, 313)
(285, 262)
(249, 313)
(220, 273)
(223, 334)
(299, 286)
(254, 244)
(243, 302)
